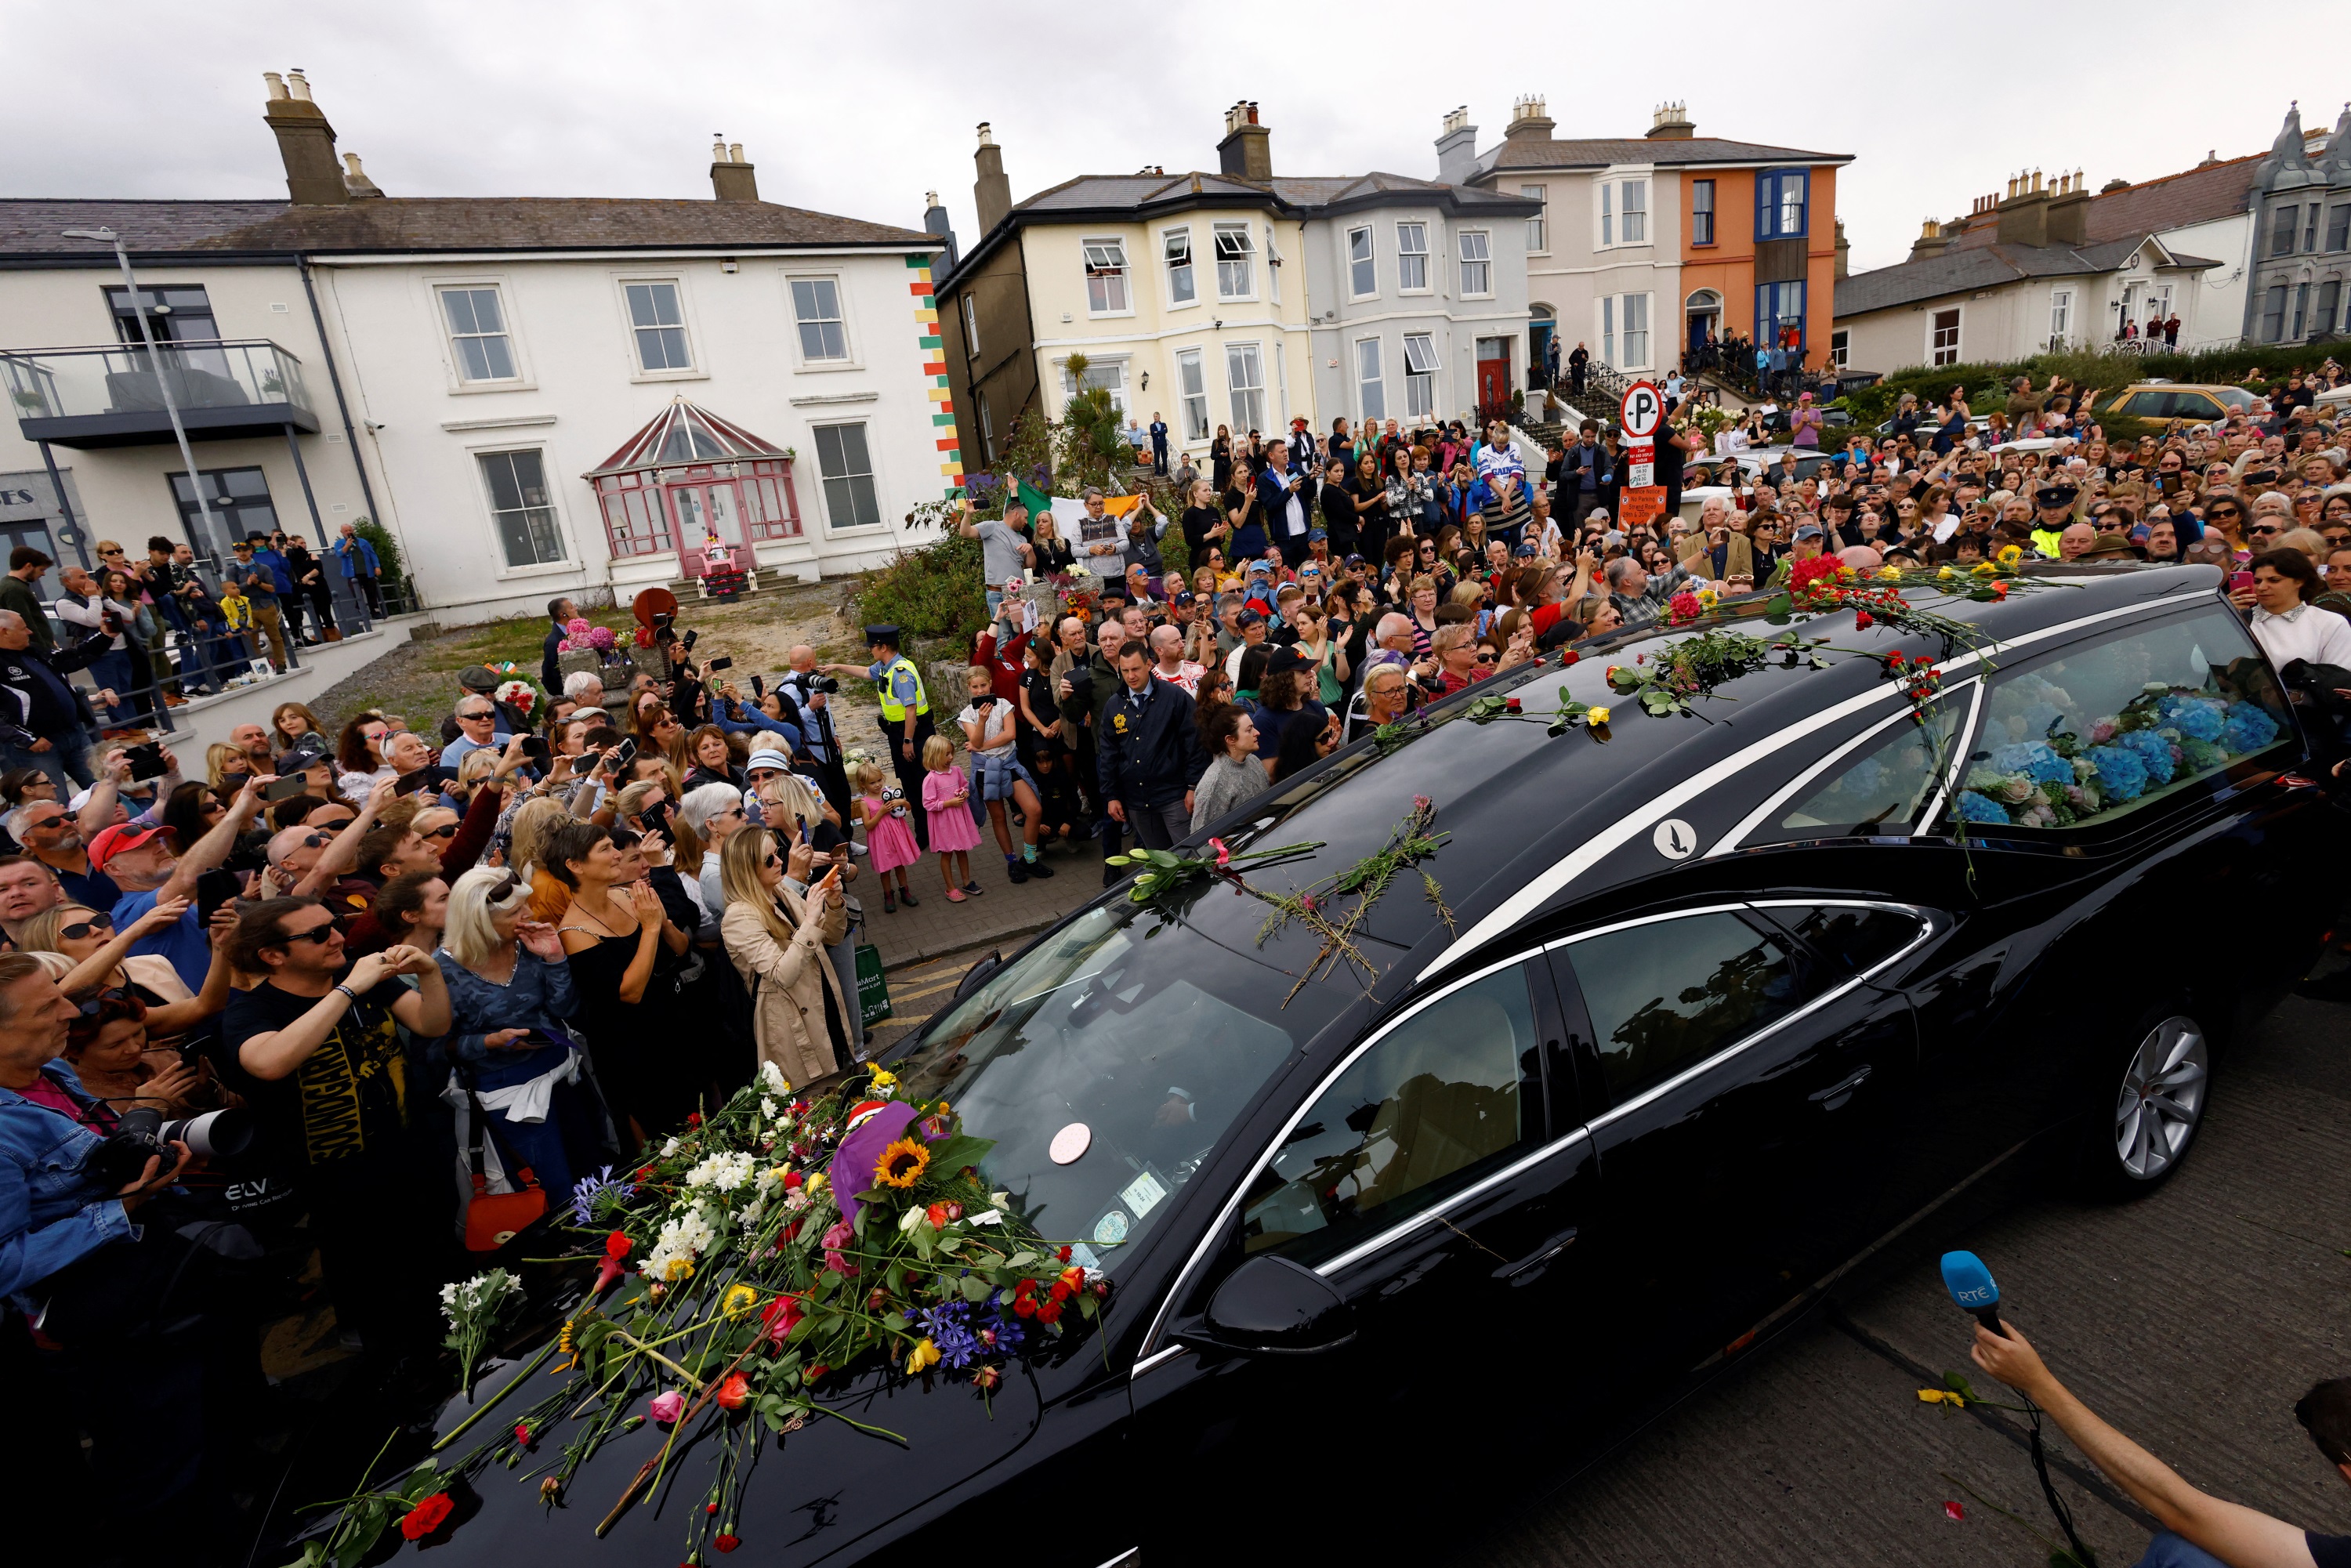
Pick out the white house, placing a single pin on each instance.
(458, 369)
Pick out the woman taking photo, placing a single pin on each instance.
(510, 991)
(1322, 651)
(102, 960)
(799, 1016)
(616, 938)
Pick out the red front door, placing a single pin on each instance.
(1493, 383)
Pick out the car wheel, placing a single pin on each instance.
(2147, 1115)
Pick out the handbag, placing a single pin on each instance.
(495, 1218)
(873, 985)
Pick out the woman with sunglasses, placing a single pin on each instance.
(102, 960)
(511, 995)
(619, 943)
(778, 941)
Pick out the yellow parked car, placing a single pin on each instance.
(2172, 400)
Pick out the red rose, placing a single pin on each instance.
(1570, 657)
(693, 1118)
(937, 1215)
(781, 1315)
(2000, 590)
(734, 1393)
(425, 1517)
(1063, 1254)
(617, 1244)
(815, 1372)
(793, 1180)
(727, 1542)
(1023, 1307)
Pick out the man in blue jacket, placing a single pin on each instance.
(1285, 497)
(550, 669)
(361, 566)
(1148, 750)
(1582, 474)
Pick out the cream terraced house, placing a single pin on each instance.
(536, 396)
(1238, 298)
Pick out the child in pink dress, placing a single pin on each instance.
(946, 795)
(889, 834)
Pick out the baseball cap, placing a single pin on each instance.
(1355, 561)
(1257, 566)
(1285, 658)
(1183, 601)
(768, 757)
(1808, 532)
(1525, 551)
(111, 841)
(305, 753)
(1251, 618)
(1317, 535)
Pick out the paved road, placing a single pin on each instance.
(2192, 1319)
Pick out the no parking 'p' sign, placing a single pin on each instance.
(1643, 410)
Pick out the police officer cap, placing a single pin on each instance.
(2055, 494)
(881, 633)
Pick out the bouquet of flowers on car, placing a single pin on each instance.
(2050, 777)
(766, 1255)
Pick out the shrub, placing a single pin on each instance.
(393, 577)
(934, 592)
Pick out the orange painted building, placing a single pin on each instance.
(1725, 264)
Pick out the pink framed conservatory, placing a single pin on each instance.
(689, 478)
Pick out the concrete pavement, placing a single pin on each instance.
(2191, 1320)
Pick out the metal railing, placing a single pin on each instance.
(130, 379)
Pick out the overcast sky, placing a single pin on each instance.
(860, 109)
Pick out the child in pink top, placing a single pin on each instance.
(889, 834)
(946, 795)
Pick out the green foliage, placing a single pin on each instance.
(393, 576)
(2254, 366)
(932, 592)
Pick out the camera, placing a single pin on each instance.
(824, 684)
(143, 1134)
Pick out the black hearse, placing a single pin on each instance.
(1686, 1011)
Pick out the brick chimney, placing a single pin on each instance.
(1246, 151)
(2024, 211)
(1931, 241)
(1843, 252)
(1528, 120)
(1671, 122)
(992, 190)
(732, 178)
(1457, 149)
(934, 221)
(356, 182)
(305, 142)
(2069, 210)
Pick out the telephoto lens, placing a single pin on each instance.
(143, 1134)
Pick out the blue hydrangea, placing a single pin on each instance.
(2153, 751)
(2203, 755)
(1974, 808)
(2196, 718)
(2248, 728)
(2035, 761)
(1863, 778)
(2121, 775)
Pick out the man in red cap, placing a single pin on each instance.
(141, 862)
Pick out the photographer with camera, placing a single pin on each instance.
(130, 1307)
(83, 604)
(314, 1050)
(807, 691)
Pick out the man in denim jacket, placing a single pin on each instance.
(52, 1213)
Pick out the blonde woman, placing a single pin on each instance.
(800, 1014)
(527, 853)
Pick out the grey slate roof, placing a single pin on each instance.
(393, 224)
(1963, 271)
(1298, 195)
(1600, 151)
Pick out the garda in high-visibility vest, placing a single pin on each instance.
(892, 682)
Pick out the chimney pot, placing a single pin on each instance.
(305, 144)
(732, 178)
(986, 138)
(1246, 151)
(276, 85)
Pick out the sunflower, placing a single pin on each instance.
(902, 1162)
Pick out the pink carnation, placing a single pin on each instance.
(2102, 732)
(577, 626)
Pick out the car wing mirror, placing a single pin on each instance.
(977, 975)
(1272, 1306)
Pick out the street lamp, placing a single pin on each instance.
(163, 382)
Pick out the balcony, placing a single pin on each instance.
(112, 394)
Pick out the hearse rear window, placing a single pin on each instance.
(2120, 724)
(1879, 791)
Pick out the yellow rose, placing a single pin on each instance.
(924, 1354)
(1595, 716)
(1891, 573)
(1946, 574)
(1985, 569)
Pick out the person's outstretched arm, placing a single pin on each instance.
(2238, 1535)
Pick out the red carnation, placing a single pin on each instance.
(693, 1118)
(1061, 1290)
(1063, 1254)
(780, 1315)
(1049, 1312)
(426, 1516)
(793, 1180)
(617, 1244)
(522, 1433)
(1023, 1307)
(727, 1542)
(1862, 622)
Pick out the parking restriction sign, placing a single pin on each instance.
(1643, 410)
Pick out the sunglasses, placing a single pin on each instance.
(2266, 529)
(446, 831)
(321, 935)
(111, 994)
(471, 718)
(1485, 658)
(314, 840)
(80, 929)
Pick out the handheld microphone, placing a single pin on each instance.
(1970, 1285)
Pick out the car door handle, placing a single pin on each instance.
(1526, 1269)
(1833, 1097)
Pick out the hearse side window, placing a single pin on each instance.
(1450, 1091)
(1880, 790)
(2114, 726)
(1663, 996)
(1851, 937)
